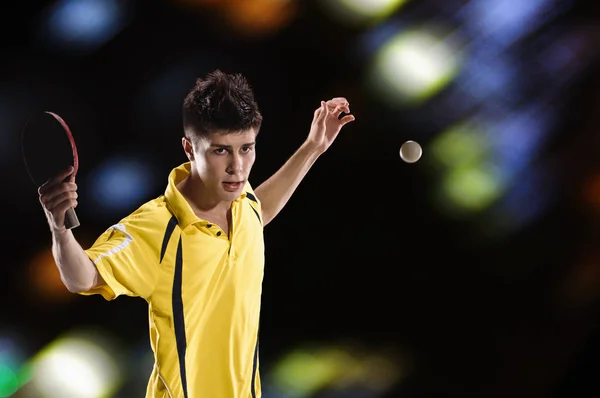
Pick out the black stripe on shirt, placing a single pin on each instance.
(178, 318)
(168, 232)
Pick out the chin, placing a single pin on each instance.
(230, 196)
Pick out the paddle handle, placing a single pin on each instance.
(71, 220)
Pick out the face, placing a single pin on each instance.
(223, 162)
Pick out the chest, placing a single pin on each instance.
(220, 221)
(211, 272)
(219, 258)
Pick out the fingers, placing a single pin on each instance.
(334, 108)
(60, 177)
(338, 105)
(347, 119)
(324, 112)
(63, 174)
(55, 207)
(332, 103)
(59, 204)
(337, 111)
(52, 195)
(318, 111)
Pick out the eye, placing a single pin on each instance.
(220, 151)
(246, 149)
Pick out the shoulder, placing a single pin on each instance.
(147, 221)
(249, 192)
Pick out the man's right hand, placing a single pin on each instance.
(56, 196)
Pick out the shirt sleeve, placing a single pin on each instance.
(127, 261)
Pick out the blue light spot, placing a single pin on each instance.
(121, 184)
(506, 21)
(83, 24)
(519, 137)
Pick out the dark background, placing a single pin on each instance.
(365, 251)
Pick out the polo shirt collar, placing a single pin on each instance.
(176, 203)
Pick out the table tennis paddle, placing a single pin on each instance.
(48, 148)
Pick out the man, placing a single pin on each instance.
(196, 253)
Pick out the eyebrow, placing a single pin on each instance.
(229, 146)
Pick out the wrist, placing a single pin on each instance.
(59, 233)
(310, 147)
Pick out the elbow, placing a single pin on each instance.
(73, 287)
(78, 282)
(77, 286)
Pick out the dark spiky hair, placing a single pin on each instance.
(220, 102)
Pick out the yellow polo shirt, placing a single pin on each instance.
(203, 290)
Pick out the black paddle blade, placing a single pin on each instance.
(47, 149)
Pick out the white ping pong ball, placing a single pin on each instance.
(411, 151)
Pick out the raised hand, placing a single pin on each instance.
(327, 123)
(56, 196)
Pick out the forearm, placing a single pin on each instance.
(275, 192)
(77, 271)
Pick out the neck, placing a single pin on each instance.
(193, 190)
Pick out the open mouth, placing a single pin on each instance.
(232, 186)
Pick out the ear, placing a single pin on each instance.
(188, 148)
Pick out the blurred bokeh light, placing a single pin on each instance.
(414, 65)
(492, 236)
(361, 12)
(82, 364)
(82, 26)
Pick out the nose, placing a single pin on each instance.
(235, 165)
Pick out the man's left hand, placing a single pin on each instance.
(327, 123)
